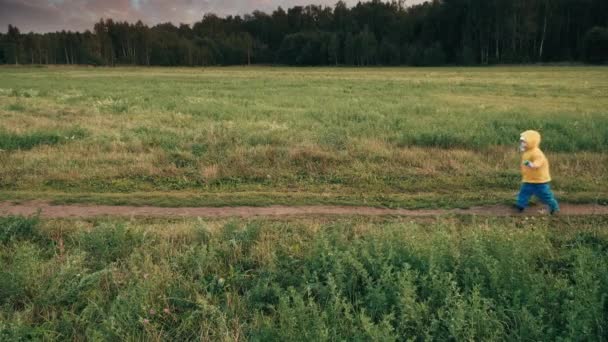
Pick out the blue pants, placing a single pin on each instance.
(542, 191)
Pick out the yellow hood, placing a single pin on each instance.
(532, 139)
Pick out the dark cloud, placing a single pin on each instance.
(56, 15)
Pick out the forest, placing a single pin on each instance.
(438, 32)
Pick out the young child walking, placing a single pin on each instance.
(535, 173)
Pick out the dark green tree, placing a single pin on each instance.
(596, 45)
(13, 44)
(333, 49)
(349, 49)
(372, 32)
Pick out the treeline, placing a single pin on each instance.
(464, 32)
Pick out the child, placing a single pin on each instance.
(535, 173)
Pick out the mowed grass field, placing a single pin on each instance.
(460, 279)
(444, 137)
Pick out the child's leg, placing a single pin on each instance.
(525, 192)
(544, 193)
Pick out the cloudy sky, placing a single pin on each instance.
(56, 15)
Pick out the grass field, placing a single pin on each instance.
(398, 137)
(404, 137)
(461, 279)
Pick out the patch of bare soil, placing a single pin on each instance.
(47, 210)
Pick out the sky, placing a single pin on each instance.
(80, 15)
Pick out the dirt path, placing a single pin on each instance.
(86, 211)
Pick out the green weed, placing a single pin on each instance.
(19, 228)
(348, 279)
(12, 141)
(16, 107)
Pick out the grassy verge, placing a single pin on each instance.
(301, 280)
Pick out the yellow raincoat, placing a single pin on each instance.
(540, 172)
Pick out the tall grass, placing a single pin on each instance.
(341, 132)
(305, 280)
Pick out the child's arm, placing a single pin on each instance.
(536, 161)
